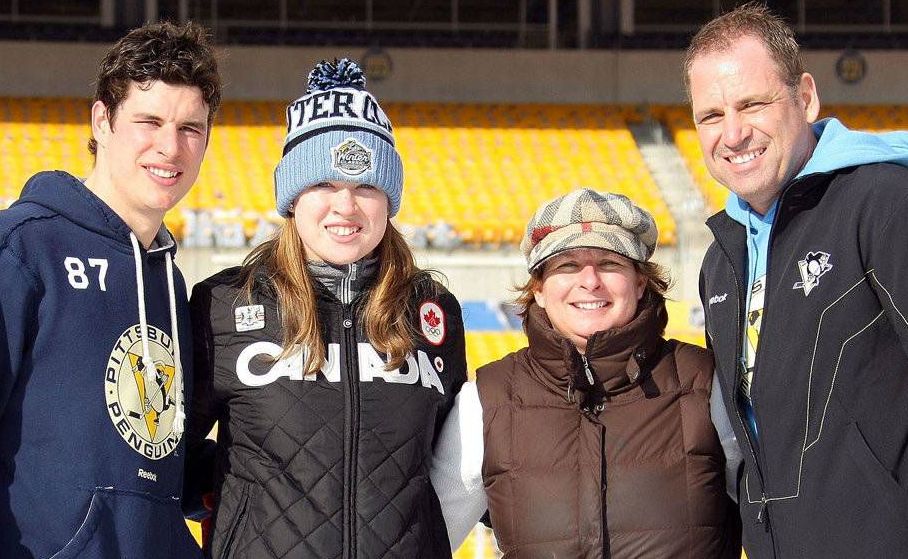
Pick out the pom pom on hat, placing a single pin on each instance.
(331, 75)
(337, 132)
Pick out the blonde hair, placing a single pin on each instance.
(388, 317)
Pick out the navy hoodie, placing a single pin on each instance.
(91, 449)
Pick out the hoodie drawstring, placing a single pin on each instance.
(148, 362)
(179, 420)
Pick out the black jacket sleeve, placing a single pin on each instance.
(456, 354)
(203, 410)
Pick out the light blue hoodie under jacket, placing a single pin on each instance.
(837, 148)
(91, 451)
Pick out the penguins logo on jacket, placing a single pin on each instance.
(141, 396)
(814, 265)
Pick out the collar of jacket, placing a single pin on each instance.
(802, 193)
(616, 357)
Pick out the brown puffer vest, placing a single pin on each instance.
(628, 466)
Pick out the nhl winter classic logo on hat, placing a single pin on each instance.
(587, 219)
(351, 158)
(337, 132)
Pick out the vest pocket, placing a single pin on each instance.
(234, 528)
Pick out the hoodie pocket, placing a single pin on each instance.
(128, 524)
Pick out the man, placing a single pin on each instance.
(805, 297)
(93, 318)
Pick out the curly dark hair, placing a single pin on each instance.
(173, 54)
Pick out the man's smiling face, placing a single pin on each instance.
(753, 128)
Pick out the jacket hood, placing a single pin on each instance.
(838, 148)
(68, 196)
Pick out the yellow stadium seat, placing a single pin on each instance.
(485, 347)
(483, 168)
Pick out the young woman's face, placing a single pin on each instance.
(587, 290)
(340, 222)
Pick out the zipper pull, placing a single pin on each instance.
(762, 513)
(586, 369)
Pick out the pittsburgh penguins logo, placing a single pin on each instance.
(141, 397)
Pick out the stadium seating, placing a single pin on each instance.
(486, 168)
(877, 118)
(680, 124)
(484, 347)
(40, 134)
(483, 169)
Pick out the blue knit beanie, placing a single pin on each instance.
(337, 132)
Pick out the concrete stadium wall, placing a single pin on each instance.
(452, 75)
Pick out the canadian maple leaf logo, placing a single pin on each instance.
(432, 318)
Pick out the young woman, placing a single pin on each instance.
(596, 440)
(328, 358)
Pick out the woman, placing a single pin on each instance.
(328, 359)
(597, 437)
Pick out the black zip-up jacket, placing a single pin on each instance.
(829, 474)
(329, 466)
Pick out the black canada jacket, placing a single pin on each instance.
(829, 474)
(329, 466)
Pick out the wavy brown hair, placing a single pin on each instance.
(388, 317)
(173, 54)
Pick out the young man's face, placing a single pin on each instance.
(149, 155)
(753, 128)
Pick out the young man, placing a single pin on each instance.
(93, 318)
(805, 297)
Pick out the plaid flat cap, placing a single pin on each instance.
(587, 219)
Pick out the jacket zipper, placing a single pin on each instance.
(586, 369)
(603, 469)
(592, 382)
(763, 514)
(352, 442)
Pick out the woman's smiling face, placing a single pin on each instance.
(587, 290)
